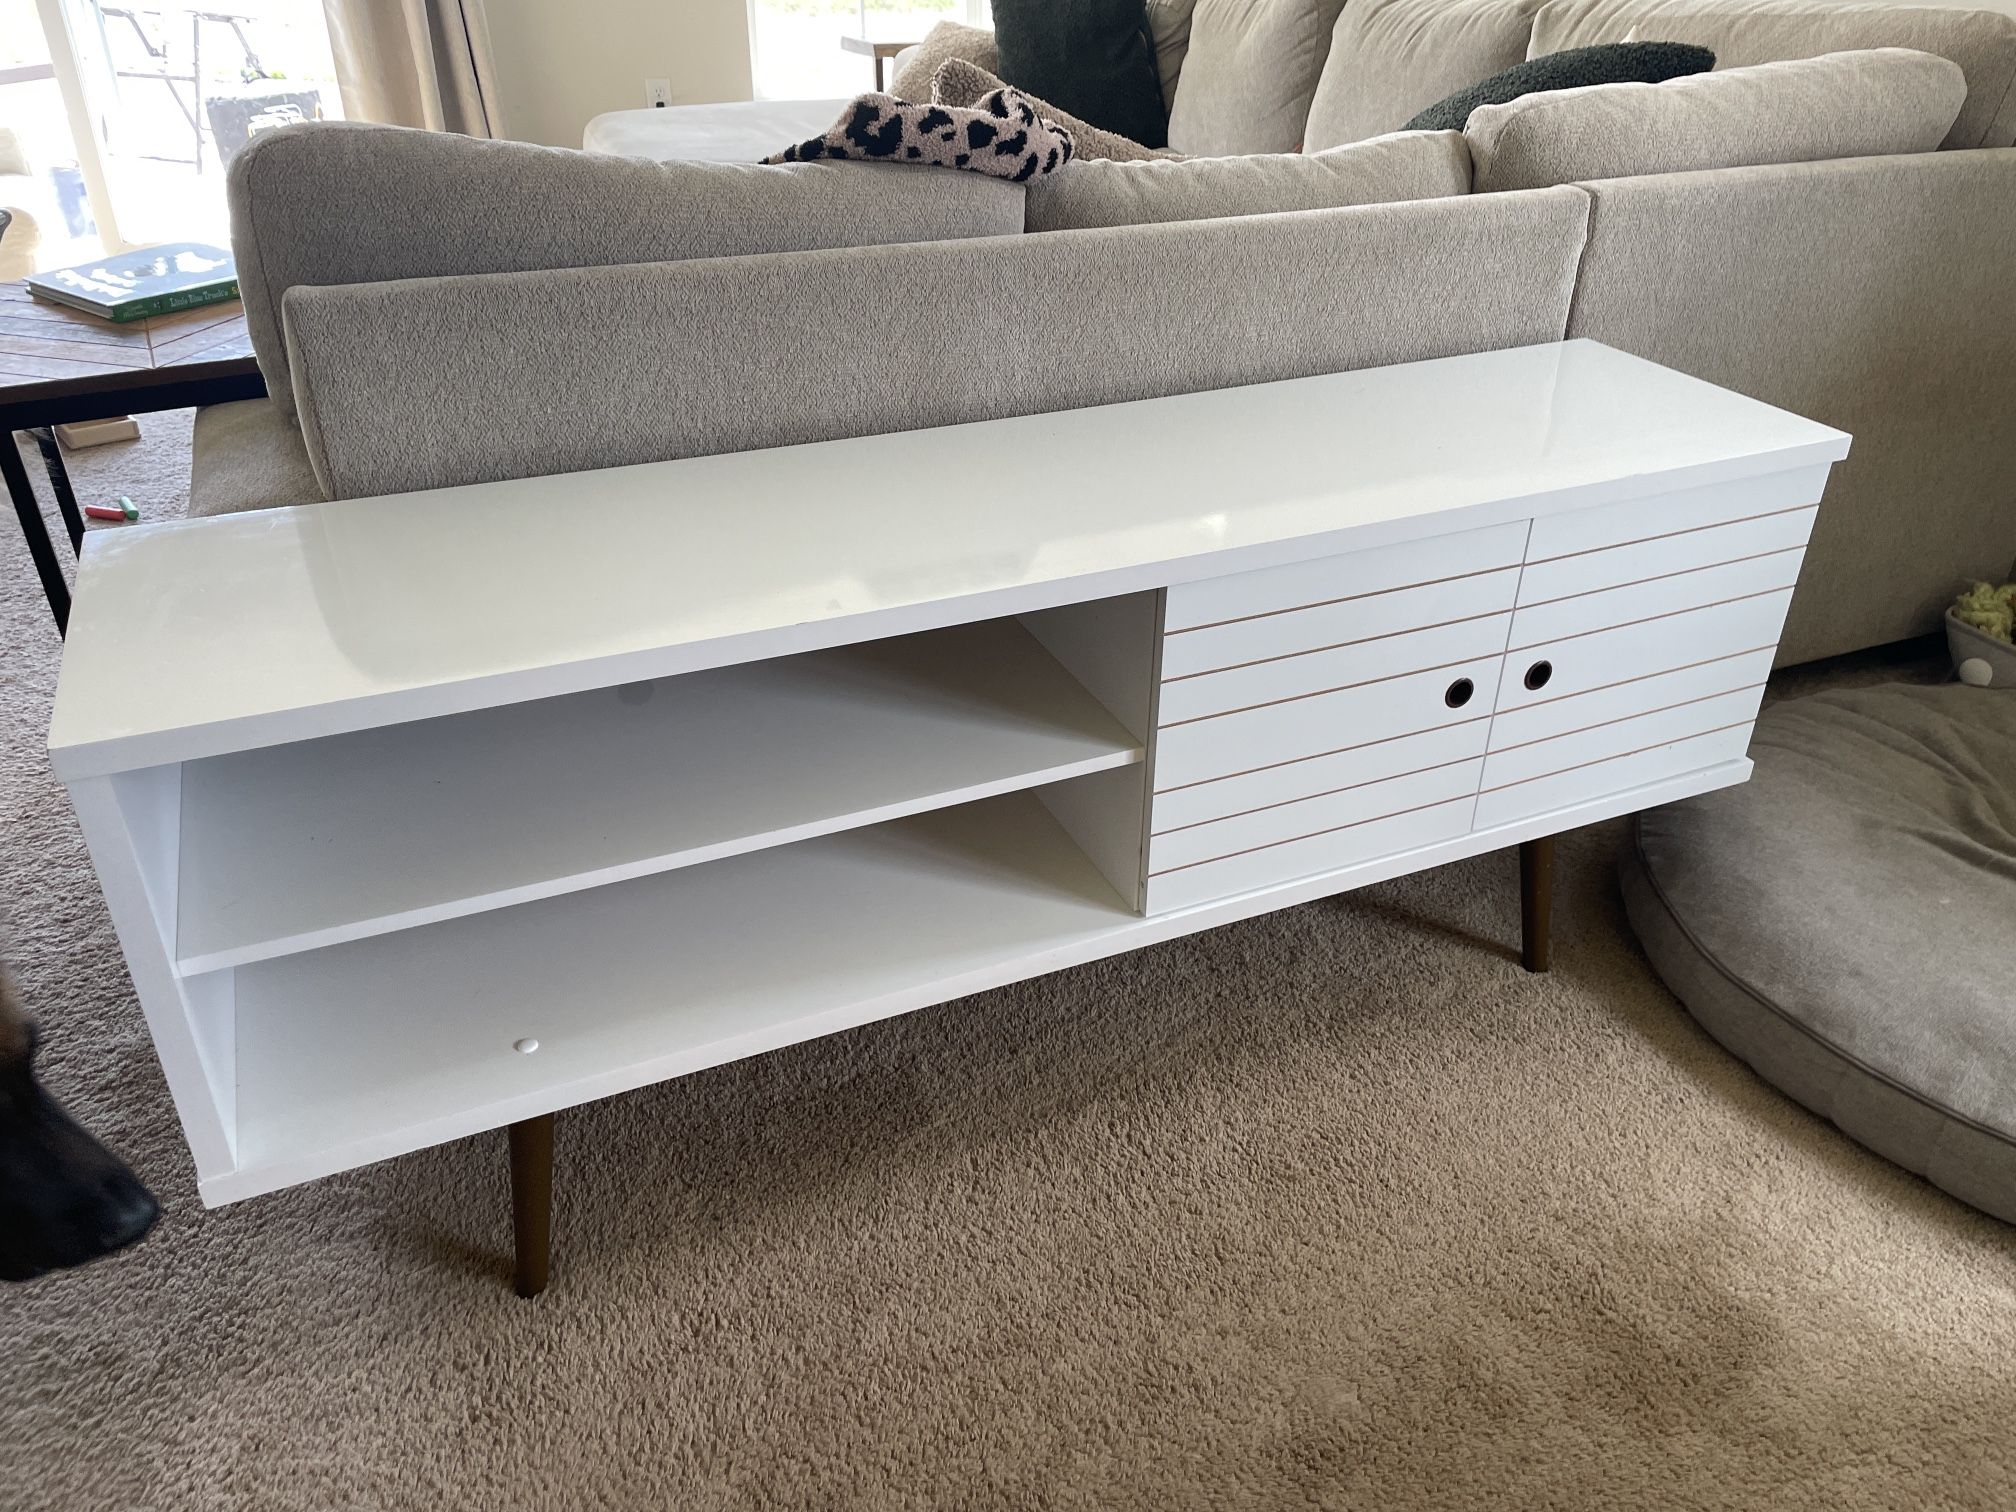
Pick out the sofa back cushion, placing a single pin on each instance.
(421, 383)
(962, 86)
(1249, 75)
(1168, 29)
(1169, 26)
(1391, 58)
(1843, 105)
(910, 78)
(1409, 165)
(1742, 32)
(1092, 58)
(338, 203)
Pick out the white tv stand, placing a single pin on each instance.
(659, 767)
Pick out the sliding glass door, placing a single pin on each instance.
(155, 97)
(42, 187)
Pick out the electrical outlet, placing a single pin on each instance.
(657, 93)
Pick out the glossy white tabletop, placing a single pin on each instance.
(191, 638)
(732, 131)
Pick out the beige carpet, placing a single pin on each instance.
(1336, 1209)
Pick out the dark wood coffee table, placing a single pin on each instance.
(58, 367)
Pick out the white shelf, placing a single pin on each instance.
(375, 1048)
(296, 847)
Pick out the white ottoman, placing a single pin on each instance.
(736, 131)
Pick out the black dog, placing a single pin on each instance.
(64, 1197)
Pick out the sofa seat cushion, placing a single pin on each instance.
(1743, 32)
(1845, 105)
(1412, 165)
(1249, 75)
(1841, 921)
(335, 202)
(248, 455)
(1390, 59)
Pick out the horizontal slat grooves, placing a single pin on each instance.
(1364, 745)
(1650, 569)
(1334, 829)
(1349, 598)
(1563, 640)
(1261, 808)
(1657, 745)
(1340, 688)
(1363, 640)
(1706, 661)
(1667, 535)
(1659, 577)
(1620, 719)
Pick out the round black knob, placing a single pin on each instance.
(1538, 674)
(1459, 692)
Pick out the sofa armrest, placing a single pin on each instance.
(430, 382)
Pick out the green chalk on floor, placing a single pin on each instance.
(128, 508)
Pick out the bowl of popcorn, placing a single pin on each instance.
(1981, 634)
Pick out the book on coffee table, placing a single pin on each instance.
(134, 285)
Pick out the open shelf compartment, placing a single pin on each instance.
(300, 846)
(381, 1046)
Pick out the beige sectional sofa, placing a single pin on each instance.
(431, 310)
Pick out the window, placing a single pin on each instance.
(123, 114)
(795, 49)
(41, 187)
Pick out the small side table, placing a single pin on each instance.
(60, 366)
(881, 52)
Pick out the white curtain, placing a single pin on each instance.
(415, 63)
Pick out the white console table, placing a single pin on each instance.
(422, 815)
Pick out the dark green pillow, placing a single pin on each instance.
(1611, 63)
(1093, 58)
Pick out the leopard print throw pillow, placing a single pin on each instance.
(1001, 135)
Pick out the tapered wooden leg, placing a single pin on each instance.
(1536, 902)
(532, 1202)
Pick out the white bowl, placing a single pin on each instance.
(1981, 660)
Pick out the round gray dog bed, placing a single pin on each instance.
(1846, 921)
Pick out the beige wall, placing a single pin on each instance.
(562, 62)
